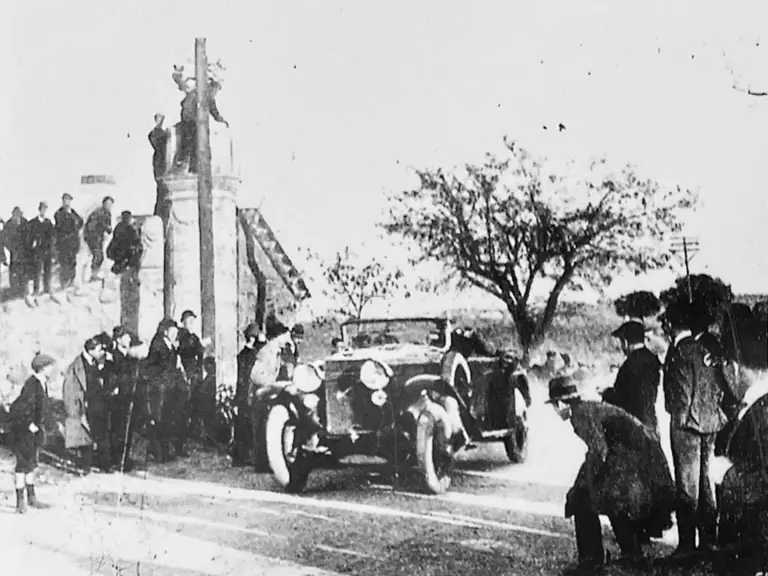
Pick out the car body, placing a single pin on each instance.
(409, 390)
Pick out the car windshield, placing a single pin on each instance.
(378, 333)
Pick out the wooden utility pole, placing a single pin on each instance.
(205, 195)
(689, 247)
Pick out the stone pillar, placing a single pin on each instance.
(141, 291)
(182, 283)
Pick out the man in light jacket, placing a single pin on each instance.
(83, 390)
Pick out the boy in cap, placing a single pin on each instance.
(67, 224)
(192, 352)
(27, 434)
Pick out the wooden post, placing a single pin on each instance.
(205, 195)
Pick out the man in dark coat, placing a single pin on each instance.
(125, 247)
(637, 383)
(188, 126)
(27, 429)
(124, 409)
(15, 241)
(694, 389)
(99, 224)
(68, 224)
(243, 433)
(625, 476)
(191, 352)
(165, 378)
(40, 247)
(158, 138)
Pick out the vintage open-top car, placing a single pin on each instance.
(412, 391)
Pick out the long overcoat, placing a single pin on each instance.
(625, 471)
(77, 433)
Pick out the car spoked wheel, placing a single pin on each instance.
(434, 454)
(289, 465)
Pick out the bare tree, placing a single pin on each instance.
(357, 282)
(511, 222)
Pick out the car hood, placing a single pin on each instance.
(392, 354)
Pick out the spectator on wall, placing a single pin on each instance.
(125, 247)
(39, 240)
(68, 224)
(14, 233)
(98, 224)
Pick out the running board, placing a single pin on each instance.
(497, 434)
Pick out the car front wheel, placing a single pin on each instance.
(516, 444)
(434, 453)
(290, 467)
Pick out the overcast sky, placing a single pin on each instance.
(332, 102)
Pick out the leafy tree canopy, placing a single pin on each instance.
(515, 220)
(640, 304)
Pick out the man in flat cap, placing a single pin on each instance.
(165, 376)
(67, 224)
(27, 430)
(243, 440)
(40, 247)
(637, 383)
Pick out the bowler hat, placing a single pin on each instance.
(562, 388)
(187, 314)
(633, 332)
(297, 331)
(252, 330)
(276, 329)
(40, 361)
(66, 196)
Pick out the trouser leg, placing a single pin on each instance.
(626, 535)
(258, 419)
(686, 455)
(706, 517)
(589, 538)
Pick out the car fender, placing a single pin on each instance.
(418, 399)
(519, 381)
(269, 396)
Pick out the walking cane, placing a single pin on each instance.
(134, 380)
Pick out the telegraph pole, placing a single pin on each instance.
(689, 247)
(205, 195)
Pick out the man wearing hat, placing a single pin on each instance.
(624, 476)
(87, 406)
(192, 351)
(264, 373)
(165, 377)
(243, 433)
(98, 224)
(694, 390)
(15, 241)
(124, 407)
(27, 429)
(125, 247)
(637, 383)
(67, 224)
(40, 248)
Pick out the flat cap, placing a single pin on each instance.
(40, 361)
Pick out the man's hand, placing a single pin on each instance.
(33, 428)
(205, 342)
(116, 391)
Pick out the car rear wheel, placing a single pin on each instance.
(434, 453)
(290, 467)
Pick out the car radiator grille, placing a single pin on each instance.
(348, 401)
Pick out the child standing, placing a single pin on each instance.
(26, 415)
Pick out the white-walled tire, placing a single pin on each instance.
(434, 454)
(289, 467)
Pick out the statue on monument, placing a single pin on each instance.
(187, 128)
(158, 138)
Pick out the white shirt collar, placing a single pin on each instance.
(681, 335)
(88, 359)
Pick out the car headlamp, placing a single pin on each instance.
(307, 378)
(374, 375)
